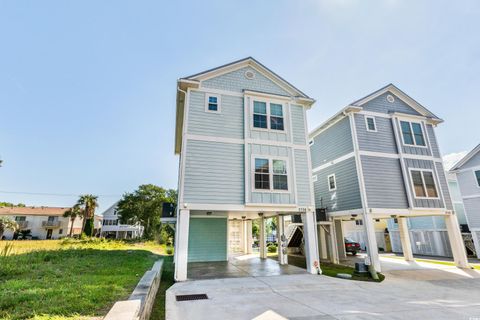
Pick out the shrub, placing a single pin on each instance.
(272, 247)
(169, 250)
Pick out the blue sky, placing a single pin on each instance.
(87, 88)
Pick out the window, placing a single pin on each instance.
(268, 116)
(60, 231)
(212, 103)
(477, 175)
(359, 222)
(412, 133)
(276, 116)
(280, 181)
(332, 184)
(20, 218)
(262, 175)
(371, 124)
(260, 114)
(271, 174)
(424, 184)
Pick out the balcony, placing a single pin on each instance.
(50, 224)
(22, 224)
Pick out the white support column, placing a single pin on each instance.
(282, 245)
(182, 245)
(342, 254)
(311, 245)
(405, 239)
(249, 236)
(372, 248)
(244, 237)
(476, 242)
(322, 242)
(263, 239)
(333, 244)
(456, 241)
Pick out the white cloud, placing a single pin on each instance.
(452, 158)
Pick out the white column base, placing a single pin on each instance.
(182, 245)
(405, 239)
(340, 239)
(311, 244)
(456, 241)
(282, 245)
(371, 243)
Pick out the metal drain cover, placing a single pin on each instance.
(191, 297)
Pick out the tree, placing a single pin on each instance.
(7, 223)
(73, 213)
(144, 207)
(9, 204)
(88, 203)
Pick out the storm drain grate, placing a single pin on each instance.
(191, 297)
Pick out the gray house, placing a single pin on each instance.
(241, 134)
(378, 158)
(467, 171)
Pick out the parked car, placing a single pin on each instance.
(351, 246)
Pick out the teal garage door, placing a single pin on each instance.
(207, 239)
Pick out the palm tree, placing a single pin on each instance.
(88, 203)
(7, 223)
(73, 213)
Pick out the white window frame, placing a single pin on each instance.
(268, 115)
(270, 173)
(334, 181)
(314, 178)
(413, 135)
(475, 177)
(219, 102)
(359, 222)
(435, 180)
(374, 123)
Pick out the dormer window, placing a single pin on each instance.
(268, 115)
(412, 133)
(212, 103)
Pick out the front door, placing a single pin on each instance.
(49, 234)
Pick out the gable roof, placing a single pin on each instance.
(465, 159)
(193, 81)
(356, 106)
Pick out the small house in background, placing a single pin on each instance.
(112, 228)
(43, 222)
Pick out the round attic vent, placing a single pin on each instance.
(390, 98)
(249, 74)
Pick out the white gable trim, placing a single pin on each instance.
(465, 159)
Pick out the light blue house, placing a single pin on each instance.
(241, 133)
(467, 171)
(378, 158)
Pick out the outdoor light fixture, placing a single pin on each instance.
(354, 215)
(260, 214)
(209, 213)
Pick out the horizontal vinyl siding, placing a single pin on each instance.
(472, 209)
(236, 81)
(214, 173)
(207, 239)
(332, 143)
(425, 203)
(302, 177)
(383, 140)
(380, 104)
(298, 124)
(421, 223)
(347, 195)
(473, 162)
(468, 183)
(228, 123)
(384, 183)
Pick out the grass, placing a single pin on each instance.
(58, 280)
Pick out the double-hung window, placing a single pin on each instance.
(477, 175)
(424, 184)
(212, 103)
(332, 183)
(268, 115)
(271, 174)
(371, 124)
(412, 133)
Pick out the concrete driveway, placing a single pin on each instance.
(428, 291)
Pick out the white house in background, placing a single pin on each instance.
(355, 230)
(43, 222)
(467, 171)
(112, 228)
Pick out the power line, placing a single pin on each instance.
(55, 194)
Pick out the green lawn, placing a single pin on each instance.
(60, 280)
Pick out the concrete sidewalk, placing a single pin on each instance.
(433, 292)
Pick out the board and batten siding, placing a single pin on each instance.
(426, 203)
(259, 150)
(444, 185)
(227, 123)
(207, 239)
(380, 104)
(302, 178)
(347, 194)
(214, 173)
(383, 140)
(237, 82)
(332, 143)
(384, 183)
(408, 149)
(263, 134)
(433, 141)
(298, 124)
